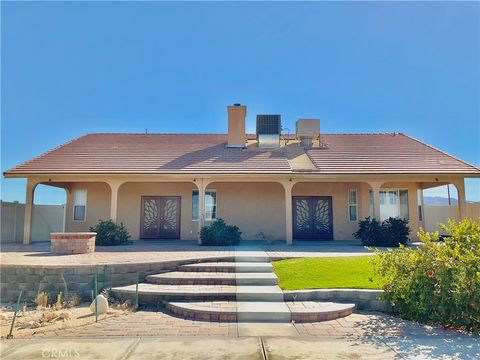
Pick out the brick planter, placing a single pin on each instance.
(72, 243)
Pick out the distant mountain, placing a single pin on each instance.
(438, 200)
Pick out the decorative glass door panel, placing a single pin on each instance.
(160, 217)
(302, 217)
(312, 217)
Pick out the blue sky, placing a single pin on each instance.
(73, 68)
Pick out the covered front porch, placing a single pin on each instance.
(269, 209)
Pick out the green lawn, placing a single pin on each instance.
(327, 272)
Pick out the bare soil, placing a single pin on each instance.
(31, 321)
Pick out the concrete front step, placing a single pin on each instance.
(263, 311)
(247, 278)
(314, 311)
(192, 278)
(252, 267)
(259, 293)
(252, 256)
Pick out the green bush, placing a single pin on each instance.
(110, 233)
(219, 233)
(391, 232)
(439, 283)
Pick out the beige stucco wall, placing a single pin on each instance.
(98, 205)
(129, 205)
(253, 207)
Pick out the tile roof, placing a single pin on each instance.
(384, 154)
(206, 153)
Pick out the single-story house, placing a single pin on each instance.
(306, 185)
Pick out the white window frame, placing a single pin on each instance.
(354, 204)
(205, 206)
(75, 204)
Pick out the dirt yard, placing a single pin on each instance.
(33, 320)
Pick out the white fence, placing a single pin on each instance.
(435, 214)
(45, 219)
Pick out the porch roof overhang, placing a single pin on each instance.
(427, 178)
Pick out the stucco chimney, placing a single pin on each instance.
(236, 125)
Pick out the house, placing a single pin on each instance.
(306, 185)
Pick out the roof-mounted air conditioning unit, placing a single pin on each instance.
(307, 130)
(269, 129)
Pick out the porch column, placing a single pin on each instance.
(114, 186)
(376, 199)
(27, 224)
(288, 211)
(201, 207)
(460, 185)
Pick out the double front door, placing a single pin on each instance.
(312, 217)
(160, 217)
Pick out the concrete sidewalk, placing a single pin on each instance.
(251, 348)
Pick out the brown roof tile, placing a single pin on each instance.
(206, 153)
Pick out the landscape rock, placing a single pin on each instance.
(102, 305)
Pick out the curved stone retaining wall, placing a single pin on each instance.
(32, 279)
(364, 299)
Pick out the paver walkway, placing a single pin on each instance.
(38, 254)
(358, 336)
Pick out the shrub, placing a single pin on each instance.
(219, 233)
(395, 231)
(110, 233)
(391, 232)
(439, 283)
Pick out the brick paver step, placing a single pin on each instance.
(204, 310)
(228, 267)
(260, 311)
(192, 278)
(242, 311)
(314, 311)
(153, 294)
(212, 278)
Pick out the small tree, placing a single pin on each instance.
(110, 233)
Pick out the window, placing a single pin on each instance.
(80, 205)
(352, 205)
(403, 195)
(210, 205)
(393, 203)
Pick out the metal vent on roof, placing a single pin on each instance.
(269, 125)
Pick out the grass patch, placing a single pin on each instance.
(352, 272)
